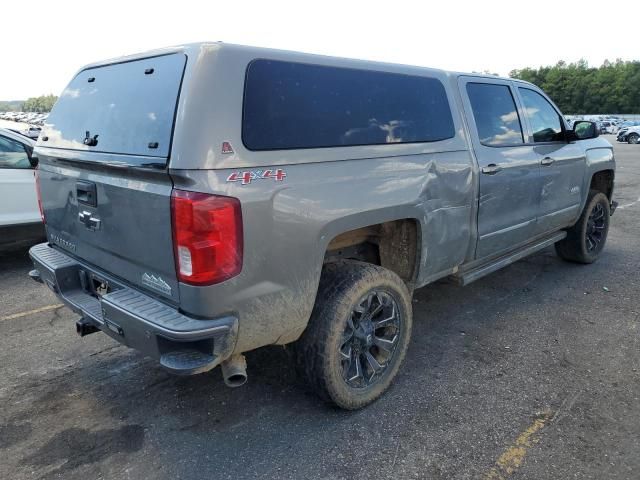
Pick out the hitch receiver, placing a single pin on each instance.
(84, 326)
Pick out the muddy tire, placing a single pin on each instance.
(586, 239)
(357, 335)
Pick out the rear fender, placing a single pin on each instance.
(288, 224)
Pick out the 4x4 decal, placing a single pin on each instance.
(248, 176)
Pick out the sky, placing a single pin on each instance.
(46, 42)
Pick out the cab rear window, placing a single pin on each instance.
(123, 108)
(291, 105)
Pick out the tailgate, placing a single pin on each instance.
(104, 185)
(125, 232)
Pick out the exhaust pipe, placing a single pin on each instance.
(234, 371)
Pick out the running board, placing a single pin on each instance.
(466, 277)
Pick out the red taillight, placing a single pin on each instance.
(207, 237)
(37, 175)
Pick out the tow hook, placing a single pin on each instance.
(84, 326)
(35, 276)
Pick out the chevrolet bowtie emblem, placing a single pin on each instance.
(89, 221)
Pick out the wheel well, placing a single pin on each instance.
(392, 245)
(603, 182)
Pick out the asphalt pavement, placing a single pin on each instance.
(530, 373)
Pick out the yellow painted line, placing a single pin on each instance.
(31, 312)
(512, 457)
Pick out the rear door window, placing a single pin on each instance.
(495, 113)
(544, 119)
(294, 105)
(128, 108)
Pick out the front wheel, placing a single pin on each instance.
(357, 335)
(633, 138)
(586, 239)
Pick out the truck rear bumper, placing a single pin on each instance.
(182, 344)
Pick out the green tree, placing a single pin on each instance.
(614, 87)
(10, 106)
(41, 104)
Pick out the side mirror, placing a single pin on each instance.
(583, 130)
(33, 158)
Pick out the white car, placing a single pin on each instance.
(20, 219)
(607, 126)
(32, 132)
(629, 134)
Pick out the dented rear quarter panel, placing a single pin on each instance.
(288, 225)
(327, 191)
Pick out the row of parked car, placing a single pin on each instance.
(625, 130)
(32, 118)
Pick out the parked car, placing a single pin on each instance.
(31, 132)
(607, 127)
(629, 133)
(20, 220)
(615, 126)
(299, 199)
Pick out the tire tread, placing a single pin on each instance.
(335, 295)
(572, 247)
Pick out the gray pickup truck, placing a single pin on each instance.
(210, 199)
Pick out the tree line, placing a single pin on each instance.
(577, 88)
(41, 104)
(11, 105)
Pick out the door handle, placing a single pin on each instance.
(491, 169)
(546, 161)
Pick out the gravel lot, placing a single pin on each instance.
(532, 372)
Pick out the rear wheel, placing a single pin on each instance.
(633, 138)
(586, 239)
(357, 335)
